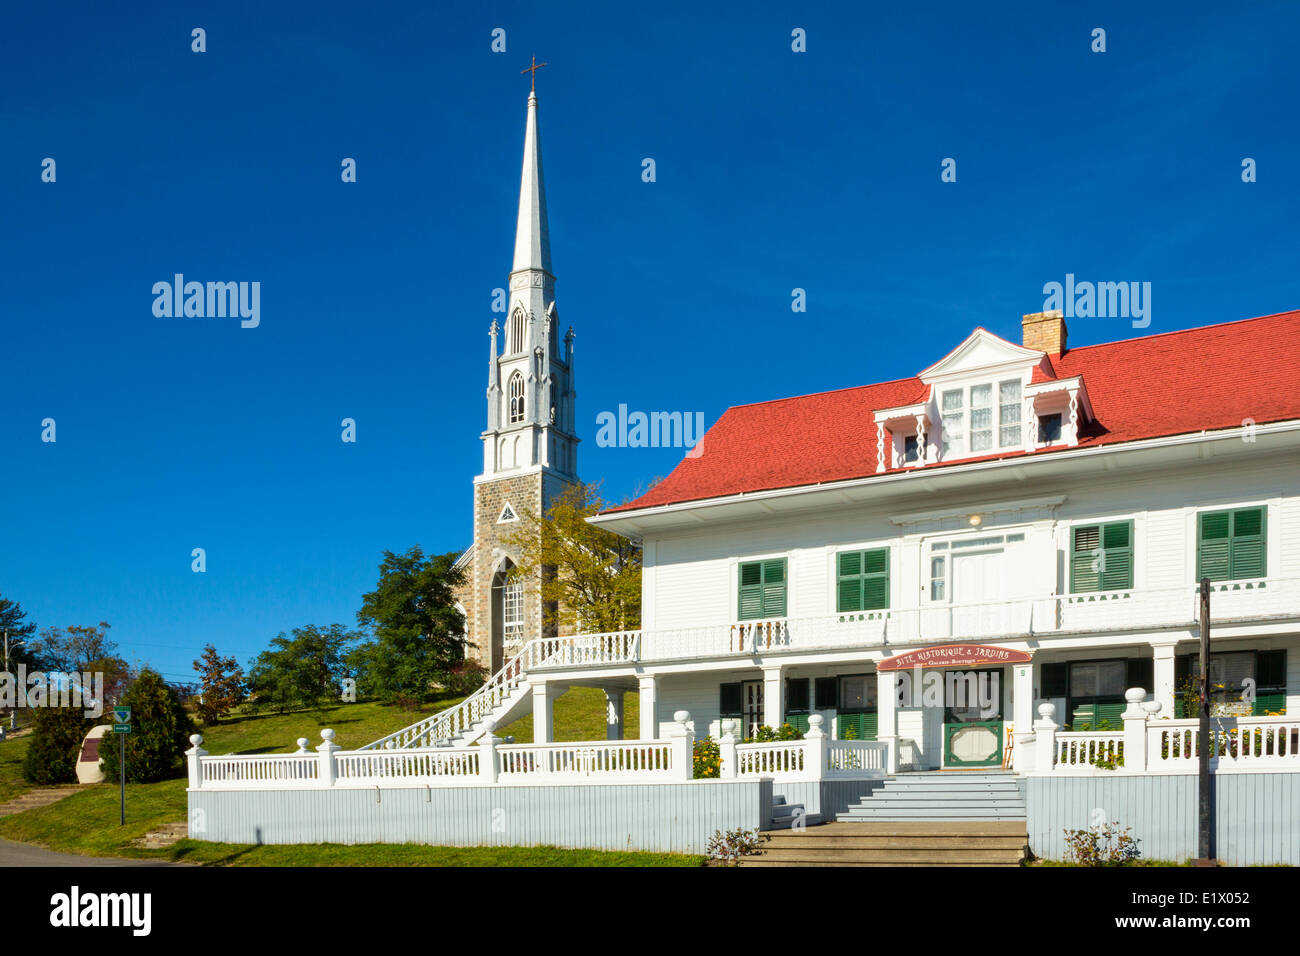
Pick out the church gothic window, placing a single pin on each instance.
(516, 339)
(512, 607)
(516, 395)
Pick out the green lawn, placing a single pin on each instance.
(87, 821)
(579, 715)
(12, 753)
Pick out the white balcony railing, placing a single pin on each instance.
(1011, 619)
(1150, 744)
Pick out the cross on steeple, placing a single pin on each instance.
(533, 70)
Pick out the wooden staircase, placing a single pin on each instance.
(897, 843)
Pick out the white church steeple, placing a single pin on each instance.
(530, 415)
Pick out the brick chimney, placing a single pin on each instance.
(1044, 332)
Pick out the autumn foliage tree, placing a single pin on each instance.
(590, 577)
(221, 685)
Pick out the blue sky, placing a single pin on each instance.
(775, 170)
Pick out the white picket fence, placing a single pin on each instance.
(1153, 745)
(816, 757)
(492, 763)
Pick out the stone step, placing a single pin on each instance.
(963, 795)
(961, 787)
(951, 857)
(34, 799)
(938, 841)
(953, 828)
(759, 861)
(924, 803)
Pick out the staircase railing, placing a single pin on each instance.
(455, 720)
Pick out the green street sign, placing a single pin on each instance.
(121, 715)
(121, 728)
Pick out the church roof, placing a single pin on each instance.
(1214, 377)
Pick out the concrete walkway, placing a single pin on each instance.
(20, 854)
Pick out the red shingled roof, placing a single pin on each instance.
(1167, 384)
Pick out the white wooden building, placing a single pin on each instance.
(1060, 505)
(991, 563)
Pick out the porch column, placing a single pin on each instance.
(1163, 672)
(649, 692)
(773, 697)
(1023, 679)
(544, 713)
(886, 704)
(887, 715)
(613, 713)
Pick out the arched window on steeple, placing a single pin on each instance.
(515, 342)
(516, 395)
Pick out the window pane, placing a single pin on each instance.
(937, 566)
(1111, 677)
(1009, 436)
(1009, 391)
(1049, 428)
(1083, 680)
(952, 400)
(981, 417)
(853, 693)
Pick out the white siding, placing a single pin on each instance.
(694, 578)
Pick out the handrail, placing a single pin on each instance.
(447, 724)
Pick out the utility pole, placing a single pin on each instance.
(1203, 836)
(13, 714)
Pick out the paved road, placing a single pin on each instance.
(20, 854)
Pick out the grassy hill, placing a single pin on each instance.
(87, 821)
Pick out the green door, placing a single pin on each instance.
(972, 718)
(973, 743)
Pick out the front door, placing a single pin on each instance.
(752, 691)
(972, 718)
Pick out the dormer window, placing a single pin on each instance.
(910, 454)
(953, 418)
(1049, 429)
(1010, 434)
(986, 433)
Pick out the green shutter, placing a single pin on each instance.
(1141, 673)
(1085, 559)
(1270, 670)
(1248, 543)
(865, 723)
(1055, 680)
(1269, 704)
(731, 700)
(849, 582)
(862, 580)
(1101, 557)
(798, 721)
(827, 692)
(1232, 545)
(774, 588)
(751, 591)
(1117, 558)
(1214, 546)
(762, 589)
(796, 695)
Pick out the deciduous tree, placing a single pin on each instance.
(419, 633)
(221, 685)
(590, 577)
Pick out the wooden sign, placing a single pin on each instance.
(955, 655)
